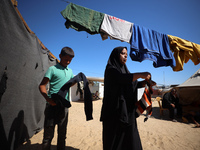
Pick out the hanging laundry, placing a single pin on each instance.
(151, 45)
(116, 28)
(82, 19)
(145, 102)
(183, 51)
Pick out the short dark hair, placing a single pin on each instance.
(67, 51)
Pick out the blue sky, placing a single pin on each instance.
(174, 17)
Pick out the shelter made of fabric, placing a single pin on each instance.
(189, 91)
(23, 62)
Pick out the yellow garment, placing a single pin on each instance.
(183, 51)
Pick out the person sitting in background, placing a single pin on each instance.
(96, 95)
(171, 102)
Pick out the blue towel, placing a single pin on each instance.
(151, 45)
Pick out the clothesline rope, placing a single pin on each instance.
(66, 1)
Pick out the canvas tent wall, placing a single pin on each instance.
(189, 91)
(23, 62)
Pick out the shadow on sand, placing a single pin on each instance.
(82, 101)
(165, 116)
(29, 146)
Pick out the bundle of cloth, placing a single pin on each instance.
(145, 102)
(83, 85)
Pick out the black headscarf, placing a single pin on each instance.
(119, 90)
(114, 62)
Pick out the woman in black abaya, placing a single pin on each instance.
(118, 110)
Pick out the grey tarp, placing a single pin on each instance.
(189, 91)
(22, 65)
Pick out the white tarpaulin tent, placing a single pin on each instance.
(189, 91)
(194, 80)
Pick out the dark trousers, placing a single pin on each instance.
(172, 109)
(55, 115)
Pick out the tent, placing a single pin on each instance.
(23, 62)
(189, 91)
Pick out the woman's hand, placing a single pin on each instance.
(153, 83)
(145, 75)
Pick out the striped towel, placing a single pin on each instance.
(145, 102)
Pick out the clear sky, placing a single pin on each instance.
(174, 17)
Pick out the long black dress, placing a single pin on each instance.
(118, 110)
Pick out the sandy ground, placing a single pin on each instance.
(156, 134)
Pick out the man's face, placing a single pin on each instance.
(123, 56)
(65, 60)
(173, 92)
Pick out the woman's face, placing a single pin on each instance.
(123, 56)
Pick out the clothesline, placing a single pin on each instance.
(162, 49)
